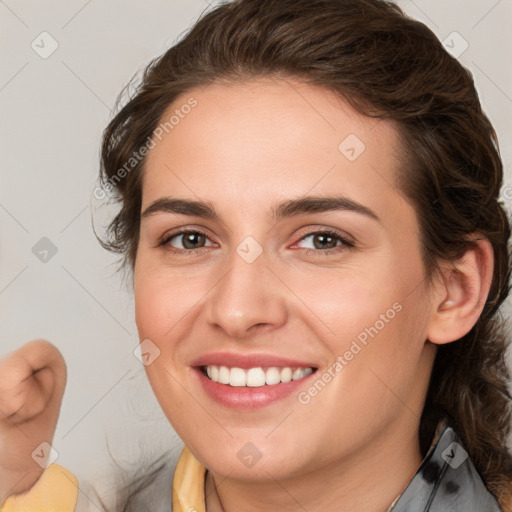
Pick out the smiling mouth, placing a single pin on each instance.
(255, 377)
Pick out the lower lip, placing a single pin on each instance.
(249, 397)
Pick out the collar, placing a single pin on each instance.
(188, 484)
(445, 480)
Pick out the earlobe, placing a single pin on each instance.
(461, 293)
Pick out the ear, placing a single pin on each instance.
(460, 294)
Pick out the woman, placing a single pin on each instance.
(309, 203)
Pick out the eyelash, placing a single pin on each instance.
(346, 244)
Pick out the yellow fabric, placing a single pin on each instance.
(188, 484)
(55, 491)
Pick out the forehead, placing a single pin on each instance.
(263, 140)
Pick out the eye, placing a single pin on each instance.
(326, 241)
(192, 241)
(186, 241)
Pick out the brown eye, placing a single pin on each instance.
(192, 240)
(325, 241)
(186, 241)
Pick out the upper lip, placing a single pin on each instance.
(234, 360)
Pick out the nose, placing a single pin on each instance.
(248, 299)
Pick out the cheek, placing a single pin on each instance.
(161, 308)
(384, 362)
(344, 303)
(374, 317)
(162, 302)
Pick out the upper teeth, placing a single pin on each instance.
(255, 377)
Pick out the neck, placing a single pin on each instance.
(369, 480)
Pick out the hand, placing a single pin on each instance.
(32, 383)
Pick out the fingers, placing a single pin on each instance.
(30, 378)
(36, 355)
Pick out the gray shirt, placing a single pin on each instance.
(446, 481)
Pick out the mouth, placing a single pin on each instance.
(256, 377)
(250, 382)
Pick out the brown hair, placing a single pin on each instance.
(387, 66)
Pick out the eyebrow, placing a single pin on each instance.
(290, 208)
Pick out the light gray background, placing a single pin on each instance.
(53, 112)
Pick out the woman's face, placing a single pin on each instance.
(275, 280)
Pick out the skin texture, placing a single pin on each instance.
(244, 148)
(32, 383)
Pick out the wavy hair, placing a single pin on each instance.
(387, 66)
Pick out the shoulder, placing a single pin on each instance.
(447, 481)
(55, 491)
